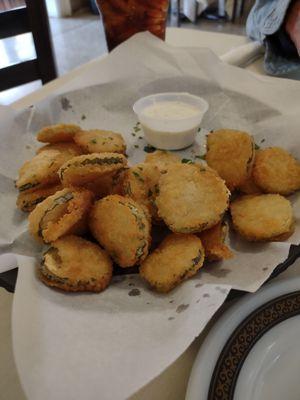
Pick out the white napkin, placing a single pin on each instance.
(244, 54)
(7, 261)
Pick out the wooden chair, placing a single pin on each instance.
(32, 18)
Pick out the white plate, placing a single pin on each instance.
(252, 352)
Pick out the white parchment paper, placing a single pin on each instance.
(109, 345)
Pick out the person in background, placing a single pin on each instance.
(276, 23)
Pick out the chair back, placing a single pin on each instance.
(30, 18)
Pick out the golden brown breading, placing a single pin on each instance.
(231, 154)
(61, 214)
(68, 147)
(28, 201)
(262, 217)
(41, 170)
(87, 168)
(110, 183)
(162, 159)
(213, 243)
(177, 258)
(249, 187)
(276, 171)
(191, 198)
(57, 133)
(100, 141)
(141, 184)
(122, 227)
(76, 265)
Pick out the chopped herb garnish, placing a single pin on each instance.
(256, 147)
(136, 146)
(94, 141)
(133, 134)
(187, 161)
(136, 129)
(262, 140)
(140, 137)
(199, 129)
(83, 117)
(201, 157)
(149, 148)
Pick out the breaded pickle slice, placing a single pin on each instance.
(141, 184)
(231, 153)
(250, 187)
(87, 168)
(177, 258)
(213, 241)
(162, 159)
(28, 201)
(122, 227)
(263, 217)
(110, 183)
(61, 214)
(67, 147)
(100, 141)
(57, 133)
(276, 171)
(41, 170)
(191, 198)
(74, 264)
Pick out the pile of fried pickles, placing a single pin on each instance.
(94, 210)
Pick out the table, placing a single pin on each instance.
(172, 382)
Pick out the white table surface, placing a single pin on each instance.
(171, 384)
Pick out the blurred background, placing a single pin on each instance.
(78, 37)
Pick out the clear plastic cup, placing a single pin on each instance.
(175, 131)
(123, 18)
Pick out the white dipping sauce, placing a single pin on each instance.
(170, 121)
(170, 110)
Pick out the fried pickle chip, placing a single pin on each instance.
(61, 214)
(231, 154)
(250, 187)
(87, 168)
(191, 198)
(65, 147)
(162, 159)
(262, 217)
(177, 258)
(110, 183)
(141, 184)
(213, 242)
(100, 141)
(122, 227)
(57, 133)
(74, 264)
(41, 170)
(276, 171)
(28, 201)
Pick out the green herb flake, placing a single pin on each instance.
(187, 161)
(262, 140)
(83, 117)
(149, 148)
(136, 146)
(93, 141)
(140, 137)
(133, 134)
(256, 147)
